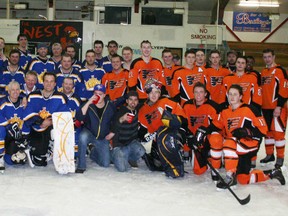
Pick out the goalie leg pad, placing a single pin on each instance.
(169, 152)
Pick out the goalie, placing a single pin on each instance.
(164, 120)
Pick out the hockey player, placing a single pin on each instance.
(168, 69)
(38, 118)
(144, 68)
(71, 50)
(73, 104)
(275, 91)
(91, 76)
(116, 81)
(200, 60)
(41, 63)
(127, 54)
(56, 54)
(30, 82)
(186, 77)
(11, 72)
(11, 109)
(231, 60)
(164, 120)
(26, 57)
(214, 75)
(252, 92)
(202, 112)
(112, 50)
(66, 70)
(243, 127)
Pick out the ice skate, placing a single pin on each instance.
(276, 174)
(230, 180)
(267, 159)
(2, 164)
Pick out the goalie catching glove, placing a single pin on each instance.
(242, 133)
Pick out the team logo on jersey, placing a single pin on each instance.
(266, 80)
(116, 84)
(148, 73)
(216, 80)
(244, 86)
(16, 119)
(192, 79)
(152, 116)
(197, 120)
(44, 113)
(89, 84)
(168, 80)
(41, 76)
(233, 122)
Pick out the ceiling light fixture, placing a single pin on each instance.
(245, 3)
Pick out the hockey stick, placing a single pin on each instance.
(241, 201)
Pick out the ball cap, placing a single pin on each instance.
(40, 45)
(100, 87)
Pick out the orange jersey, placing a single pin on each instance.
(169, 83)
(274, 86)
(116, 84)
(140, 71)
(214, 80)
(186, 78)
(251, 91)
(244, 116)
(149, 117)
(201, 115)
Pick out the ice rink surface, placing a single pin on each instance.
(105, 192)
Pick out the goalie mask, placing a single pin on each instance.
(152, 83)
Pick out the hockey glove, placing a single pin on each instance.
(149, 137)
(242, 133)
(14, 131)
(190, 140)
(200, 136)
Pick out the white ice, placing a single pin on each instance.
(106, 192)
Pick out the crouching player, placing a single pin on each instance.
(201, 111)
(243, 126)
(11, 109)
(164, 120)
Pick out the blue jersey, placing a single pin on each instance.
(107, 65)
(7, 76)
(40, 108)
(25, 59)
(41, 66)
(57, 64)
(90, 79)
(73, 103)
(10, 113)
(77, 64)
(3, 63)
(98, 62)
(74, 73)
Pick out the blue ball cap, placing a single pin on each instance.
(100, 87)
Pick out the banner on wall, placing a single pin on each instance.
(66, 33)
(251, 22)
